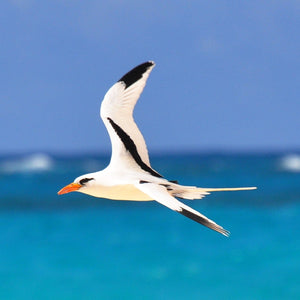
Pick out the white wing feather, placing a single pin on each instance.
(161, 195)
(118, 105)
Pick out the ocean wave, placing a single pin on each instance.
(38, 162)
(290, 163)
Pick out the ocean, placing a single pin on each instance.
(78, 247)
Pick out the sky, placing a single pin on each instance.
(227, 73)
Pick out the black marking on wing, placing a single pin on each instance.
(203, 221)
(131, 148)
(173, 181)
(136, 73)
(143, 181)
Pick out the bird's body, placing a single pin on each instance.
(129, 175)
(114, 185)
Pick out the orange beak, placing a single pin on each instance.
(72, 187)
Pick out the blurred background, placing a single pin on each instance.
(220, 109)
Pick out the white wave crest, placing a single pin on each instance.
(290, 163)
(33, 163)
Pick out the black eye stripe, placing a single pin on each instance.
(85, 180)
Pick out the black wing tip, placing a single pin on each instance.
(204, 222)
(136, 73)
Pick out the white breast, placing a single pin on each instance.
(117, 192)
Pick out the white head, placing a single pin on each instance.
(80, 184)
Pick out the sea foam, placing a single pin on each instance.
(290, 163)
(38, 162)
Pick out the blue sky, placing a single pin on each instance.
(226, 75)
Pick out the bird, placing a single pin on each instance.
(129, 175)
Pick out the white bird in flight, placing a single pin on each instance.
(129, 175)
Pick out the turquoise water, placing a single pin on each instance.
(78, 247)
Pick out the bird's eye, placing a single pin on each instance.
(85, 180)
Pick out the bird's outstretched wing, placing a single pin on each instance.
(160, 194)
(117, 114)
